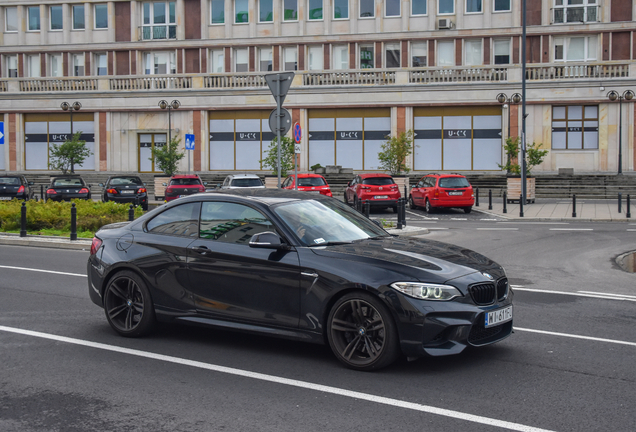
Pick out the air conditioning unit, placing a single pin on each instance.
(444, 23)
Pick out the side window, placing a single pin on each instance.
(182, 221)
(231, 223)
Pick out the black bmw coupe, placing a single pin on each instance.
(300, 266)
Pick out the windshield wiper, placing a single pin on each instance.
(331, 243)
(379, 237)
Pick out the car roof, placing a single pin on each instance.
(305, 175)
(445, 175)
(180, 176)
(243, 176)
(368, 175)
(268, 196)
(124, 176)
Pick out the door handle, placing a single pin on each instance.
(201, 250)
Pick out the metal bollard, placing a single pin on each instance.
(476, 197)
(131, 213)
(367, 208)
(489, 199)
(620, 202)
(573, 205)
(136, 201)
(520, 205)
(629, 212)
(73, 222)
(505, 208)
(42, 197)
(399, 213)
(23, 220)
(404, 212)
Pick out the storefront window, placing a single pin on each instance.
(575, 127)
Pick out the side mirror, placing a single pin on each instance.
(31, 183)
(205, 183)
(100, 184)
(267, 240)
(164, 184)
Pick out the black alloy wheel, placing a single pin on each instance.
(412, 203)
(362, 333)
(429, 208)
(128, 306)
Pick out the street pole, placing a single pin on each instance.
(620, 135)
(278, 127)
(523, 102)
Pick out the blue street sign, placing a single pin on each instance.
(189, 144)
(1, 132)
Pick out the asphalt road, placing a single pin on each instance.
(569, 366)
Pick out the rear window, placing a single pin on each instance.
(9, 181)
(185, 182)
(453, 182)
(311, 181)
(67, 182)
(126, 181)
(247, 182)
(378, 181)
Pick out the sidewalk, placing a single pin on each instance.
(560, 209)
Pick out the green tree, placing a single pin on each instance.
(534, 156)
(287, 152)
(65, 156)
(167, 157)
(394, 152)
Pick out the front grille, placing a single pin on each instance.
(483, 293)
(502, 288)
(479, 333)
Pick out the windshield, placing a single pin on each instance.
(125, 181)
(378, 181)
(247, 182)
(9, 181)
(453, 182)
(311, 181)
(324, 222)
(185, 182)
(67, 182)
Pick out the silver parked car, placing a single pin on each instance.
(236, 181)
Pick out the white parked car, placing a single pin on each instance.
(241, 181)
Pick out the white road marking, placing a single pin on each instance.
(488, 219)
(459, 219)
(631, 229)
(437, 228)
(497, 229)
(571, 229)
(535, 223)
(43, 271)
(608, 294)
(285, 381)
(577, 336)
(578, 294)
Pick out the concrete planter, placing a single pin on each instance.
(514, 189)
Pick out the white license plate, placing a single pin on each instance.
(5, 198)
(498, 316)
(381, 197)
(456, 193)
(127, 192)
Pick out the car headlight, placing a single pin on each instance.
(427, 291)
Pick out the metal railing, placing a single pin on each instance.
(575, 14)
(581, 70)
(234, 81)
(379, 77)
(154, 82)
(58, 84)
(464, 74)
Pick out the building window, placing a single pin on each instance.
(340, 9)
(217, 11)
(575, 127)
(315, 57)
(581, 48)
(392, 55)
(265, 10)
(445, 6)
(419, 51)
(367, 57)
(217, 61)
(12, 66)
(101, 16)
(315, 9)
(340, 57)
(473, 6)
(367, 8)
(55, 65)
(290, 10)
(472, 53)
(265, 59)
(101, 64)
(57, 22)
(78, 64)
(33, 13)
(78, 17)
(240, 60)
(392, 8)
(291, 58)
(241, 11)
(418, 7)
(159, 63)
(502, 5)
(33, 66)
(446, 53)
(568, 11)
(502, 51)
(11, 19)
(159, 21)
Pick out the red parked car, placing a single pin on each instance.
(379, 189)
(309, 183)
(182, 185)
(442, 191)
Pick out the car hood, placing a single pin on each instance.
(425, 260)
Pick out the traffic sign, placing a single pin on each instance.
(285, 121)
(285, 80)
(189, 141)
(298, 133)
(1, 132)
(296, 148)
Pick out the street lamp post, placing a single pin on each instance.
(75, 106)
(175, 104)
(627, 95)
(502, 98)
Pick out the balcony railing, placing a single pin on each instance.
(470, 74)
(574, 14)
(58, 84)
(581, 70)
(154, 32)
(152, 82)
(234, 81)
(378, 77)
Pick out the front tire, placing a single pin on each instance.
(361, 332)
(412, 205)
(346, 201)
(128, 305)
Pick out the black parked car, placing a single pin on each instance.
(125, 189)
(68, 187)
(298, 266)
(15, 186)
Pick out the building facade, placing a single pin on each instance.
(449, 70)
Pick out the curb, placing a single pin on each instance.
(45, 242)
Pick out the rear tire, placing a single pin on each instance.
(346, 201)
(428, 207)
(467, 209)
(412, 205)
(128, 305)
